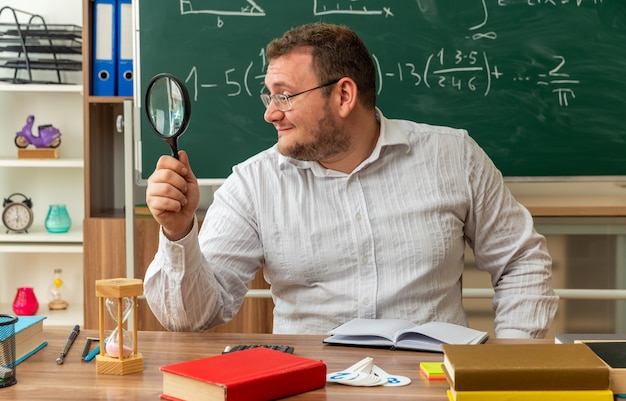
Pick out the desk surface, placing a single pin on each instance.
(40, 378)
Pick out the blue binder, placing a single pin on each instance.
(125, 71)
(105, 48)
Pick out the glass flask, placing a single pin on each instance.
(112, 346)
(55, 295)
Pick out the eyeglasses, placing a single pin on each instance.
(283, 102)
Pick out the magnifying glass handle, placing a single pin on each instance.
(174, 146)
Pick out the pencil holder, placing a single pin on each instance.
(7, 350)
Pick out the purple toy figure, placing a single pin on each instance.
(48, 136)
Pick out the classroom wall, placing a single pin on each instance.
(54, 11)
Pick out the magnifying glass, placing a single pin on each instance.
(168, 108)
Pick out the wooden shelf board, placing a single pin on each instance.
(52, 88)
(593, 206)
(67, 317)
(39, 235)
(54, 163)
(107, 99)
(40, 248)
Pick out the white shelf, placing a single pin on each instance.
(68, 317)
(40, 248)
(38, 240)
(53, 163)
(51, 88)
(39, 234)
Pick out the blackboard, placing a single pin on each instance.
(540, 84)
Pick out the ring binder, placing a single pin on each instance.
(104, 44)
(125, 73)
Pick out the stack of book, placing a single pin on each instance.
(516, 372)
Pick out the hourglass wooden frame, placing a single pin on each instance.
(119, 288)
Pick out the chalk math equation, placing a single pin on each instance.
(459, 70)
(464, 70)
(250, 8)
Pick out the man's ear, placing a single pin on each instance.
(348, 93)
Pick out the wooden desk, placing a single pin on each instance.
(40, 378)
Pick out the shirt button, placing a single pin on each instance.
(359, 217)
(366, 301)
(365, 259)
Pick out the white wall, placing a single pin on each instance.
(53, 12)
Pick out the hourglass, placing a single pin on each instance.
(119, 354)
(113, 345)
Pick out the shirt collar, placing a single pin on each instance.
(389, 136)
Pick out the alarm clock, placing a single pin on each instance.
(17, 216)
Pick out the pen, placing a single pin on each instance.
(87, 347)
(93, 353)
(68, 344)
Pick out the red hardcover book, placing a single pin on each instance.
(256, 374)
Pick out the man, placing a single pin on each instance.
(350, 214)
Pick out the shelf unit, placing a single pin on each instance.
(104, 253)
(30, 259)
(107, 168)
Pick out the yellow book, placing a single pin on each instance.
(531, 395)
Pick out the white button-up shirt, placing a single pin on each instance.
(385, 241)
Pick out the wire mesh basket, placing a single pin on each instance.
(7, 350)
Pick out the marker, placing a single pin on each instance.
(68, 344)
